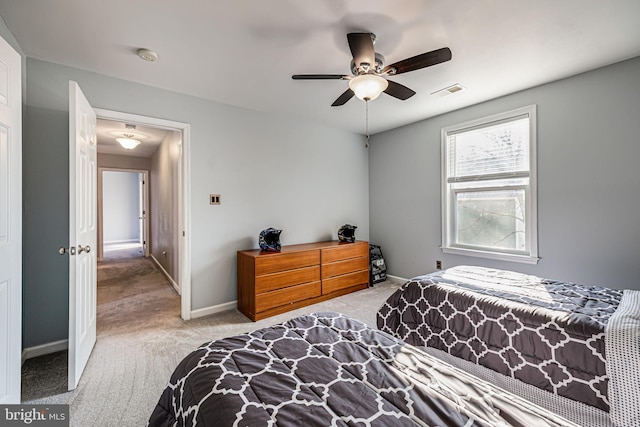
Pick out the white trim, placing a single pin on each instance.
(524, 259)
(531, 213)
(116, 242)
(173, 283)
(145, 196)
(42, 349)
(401, 279)
(11, 287)
(201, 312)
(185, 247)
(185, 228)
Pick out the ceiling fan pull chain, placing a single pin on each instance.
(366, 103)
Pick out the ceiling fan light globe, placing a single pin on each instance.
(128, 143)
(368, 86)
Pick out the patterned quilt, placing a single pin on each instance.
(326, 370)
(546, 333)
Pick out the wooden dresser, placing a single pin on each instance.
(299, 275)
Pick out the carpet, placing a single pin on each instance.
(141, 339)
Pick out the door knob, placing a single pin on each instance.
(71, 250)
(86, 249)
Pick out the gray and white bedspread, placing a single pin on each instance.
(325, 370)
(546, 333)
(623, 360)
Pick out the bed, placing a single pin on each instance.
(326, 369)
(577, 343)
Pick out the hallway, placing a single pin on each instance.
(133, 295)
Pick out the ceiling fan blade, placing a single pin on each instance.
(399, 91)
(319, 77)
(419, 61)
(342, 99)
(361, 45)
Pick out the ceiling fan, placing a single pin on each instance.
(369, 77)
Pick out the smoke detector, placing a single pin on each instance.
(148, 54)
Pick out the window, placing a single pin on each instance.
(489, 187)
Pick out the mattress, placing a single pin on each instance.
(546, 333)
(326, 369)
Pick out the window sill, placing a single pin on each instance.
(524, 259)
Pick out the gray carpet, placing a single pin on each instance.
(141, 339)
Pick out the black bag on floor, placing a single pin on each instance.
(378, 269)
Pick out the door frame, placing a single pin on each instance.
(11, 223)
(145, 200)
(184, 191)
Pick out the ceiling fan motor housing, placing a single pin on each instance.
(366, 69)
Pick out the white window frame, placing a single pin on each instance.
(530, 255)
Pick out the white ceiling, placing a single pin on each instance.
(107, 131)
(243, 52)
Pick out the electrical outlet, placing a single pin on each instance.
(214, 199)
(438, 265)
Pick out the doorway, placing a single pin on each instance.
(123, 206)
(180, 202)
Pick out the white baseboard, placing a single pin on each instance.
(201, 312)
(173, 283)
(42, 349)
(117, 242)
(401, 279)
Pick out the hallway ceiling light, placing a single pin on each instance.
(128, 142)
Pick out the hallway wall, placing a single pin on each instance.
(164, 204)
(120, 206)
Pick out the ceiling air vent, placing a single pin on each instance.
(449, 90)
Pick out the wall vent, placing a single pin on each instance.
(449, 90)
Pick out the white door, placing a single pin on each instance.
(82, 232)
(10, 223)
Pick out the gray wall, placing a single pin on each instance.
(120, 206)
(164, 207)
(588, 181)
(116, 161)
(271, 171)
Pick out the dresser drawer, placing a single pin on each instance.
(345, 281)
(345, 251)
(343, 267)
(270, 282)
(287, 295)
(273, 263)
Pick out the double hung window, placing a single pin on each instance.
(489, 187)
